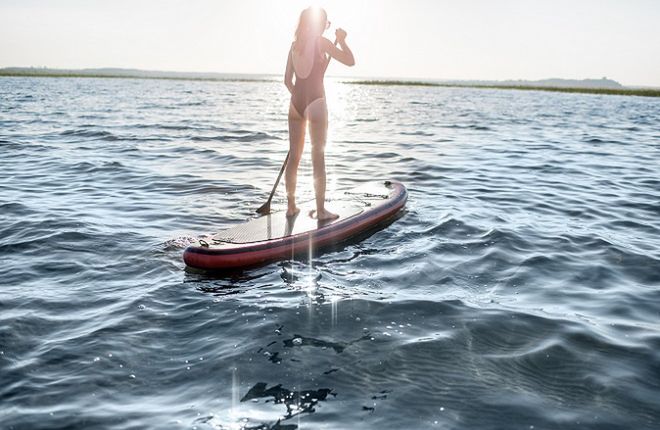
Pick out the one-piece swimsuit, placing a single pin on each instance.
(307, 90)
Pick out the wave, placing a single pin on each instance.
(95, 134)
(244, 137)
(519, 288)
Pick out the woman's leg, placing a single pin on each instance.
(296, 145)
(317, 112)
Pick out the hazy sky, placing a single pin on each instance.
(476, 39)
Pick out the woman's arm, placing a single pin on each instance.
(343, 55)
(288, 73)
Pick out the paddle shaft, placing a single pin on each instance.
(279, 176)
(265, 208)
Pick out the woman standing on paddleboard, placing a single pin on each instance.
(308, 59)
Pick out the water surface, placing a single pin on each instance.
(521, 288)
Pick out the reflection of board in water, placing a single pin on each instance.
(296, 402)
(276, 236)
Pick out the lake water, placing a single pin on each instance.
(520, 289)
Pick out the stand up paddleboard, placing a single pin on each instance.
(275, 236)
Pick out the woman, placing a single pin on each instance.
(308, 58)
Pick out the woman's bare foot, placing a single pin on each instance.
(323, 215)
(292, 209)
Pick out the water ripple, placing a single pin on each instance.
(519, 289)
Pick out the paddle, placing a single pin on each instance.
(265, 208)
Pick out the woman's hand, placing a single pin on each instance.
(340, 34)
(343, 55)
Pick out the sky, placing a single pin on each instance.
(435, 39)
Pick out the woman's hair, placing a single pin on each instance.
(312, 22)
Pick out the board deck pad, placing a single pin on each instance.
(276, 225)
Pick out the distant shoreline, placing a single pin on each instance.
(641, 92)
(128, 76)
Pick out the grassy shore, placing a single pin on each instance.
(50, 74)
(642, 92)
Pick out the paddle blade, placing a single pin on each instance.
(264, 209)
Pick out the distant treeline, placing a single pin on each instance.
(644, 92)
(129, 74)
(140, 74)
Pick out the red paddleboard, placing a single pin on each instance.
(275, 236)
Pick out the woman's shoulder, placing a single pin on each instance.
(325, 42)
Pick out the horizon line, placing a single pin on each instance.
(124, 72)
(352, 77)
